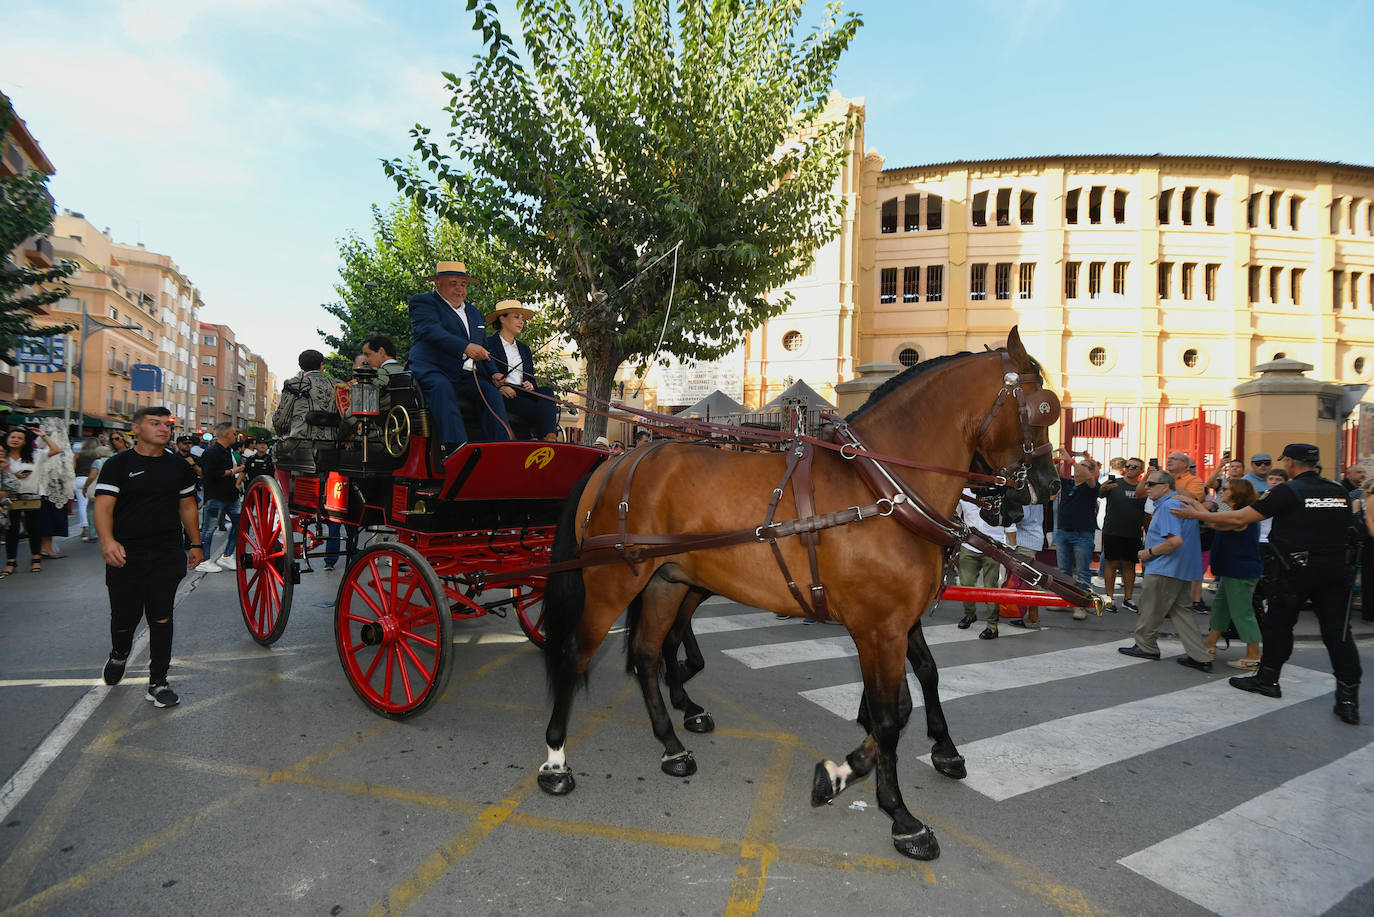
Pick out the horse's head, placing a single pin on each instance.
(1014, 438)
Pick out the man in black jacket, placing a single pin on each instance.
(144, 498)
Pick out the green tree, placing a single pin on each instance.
(26, 210)
(378, 277)
(626, 127)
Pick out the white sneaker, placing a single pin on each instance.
(227, 562)
(208, 566)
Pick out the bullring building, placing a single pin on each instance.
(1151, 284)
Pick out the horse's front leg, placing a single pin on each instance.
(884, 669)
(943, 754)
(676, 673)
(830, 779)
(660, 603)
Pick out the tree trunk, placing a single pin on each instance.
(602, 362)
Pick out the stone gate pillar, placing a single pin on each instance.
(1283, 406)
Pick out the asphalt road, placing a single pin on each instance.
(1097, 785)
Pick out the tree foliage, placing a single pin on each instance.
(619, 128)
(26, 210)
(378, 277)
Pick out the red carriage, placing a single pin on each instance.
(436, 531)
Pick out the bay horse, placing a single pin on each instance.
(877, 576)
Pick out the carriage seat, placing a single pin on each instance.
(306, 456)
(402, 389)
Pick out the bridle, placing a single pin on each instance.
(1036, 409)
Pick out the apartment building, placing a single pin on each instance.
(178, 303)
(222, 393)
(20, 152)
(119, 325)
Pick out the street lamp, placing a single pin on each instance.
(90, 326)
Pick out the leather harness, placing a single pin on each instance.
(1036, 408)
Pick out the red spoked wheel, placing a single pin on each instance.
(266, 561)
(529, 609)
(393, 630)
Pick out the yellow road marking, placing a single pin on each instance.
(24, 859)
(751, 876)
(40, 837)
(112, 865)
(437, 865)
(1069, 901)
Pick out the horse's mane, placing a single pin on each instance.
(897, 381)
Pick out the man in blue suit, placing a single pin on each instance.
(449, 358)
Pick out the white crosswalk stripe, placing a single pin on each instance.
(726, 623)
(985, 677)
(815, 650)
(1038, 756)
(1315, 824)
(1229, 864)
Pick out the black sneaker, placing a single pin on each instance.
(966, 622)
(1131, 606)
(114, 668)
(162, 695)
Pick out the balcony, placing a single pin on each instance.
(31, 394)
(39, 251)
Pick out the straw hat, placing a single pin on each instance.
(507, 307)
(601, 441)
(451, 269)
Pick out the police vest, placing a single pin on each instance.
(1319, 522)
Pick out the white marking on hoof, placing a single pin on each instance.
(839, 775)
(681, 754)
(557, 760)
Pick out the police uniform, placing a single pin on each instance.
(1306, 559)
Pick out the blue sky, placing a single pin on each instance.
(242, 137)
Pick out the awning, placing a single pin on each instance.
(105, 423)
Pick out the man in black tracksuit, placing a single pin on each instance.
(144, 499)
(1307, 560)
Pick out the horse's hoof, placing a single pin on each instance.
(557, 782)
(701, 722)
(950, 765)
(679, 765)
(822, 787)
(919, 846)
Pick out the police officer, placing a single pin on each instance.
(257, 461)
(1306, 559)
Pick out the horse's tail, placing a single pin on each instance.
(565, 596)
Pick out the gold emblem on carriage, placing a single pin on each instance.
(541, 457)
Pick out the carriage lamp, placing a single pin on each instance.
(366, 396)
(365, 399)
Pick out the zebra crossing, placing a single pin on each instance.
(1319, 825)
